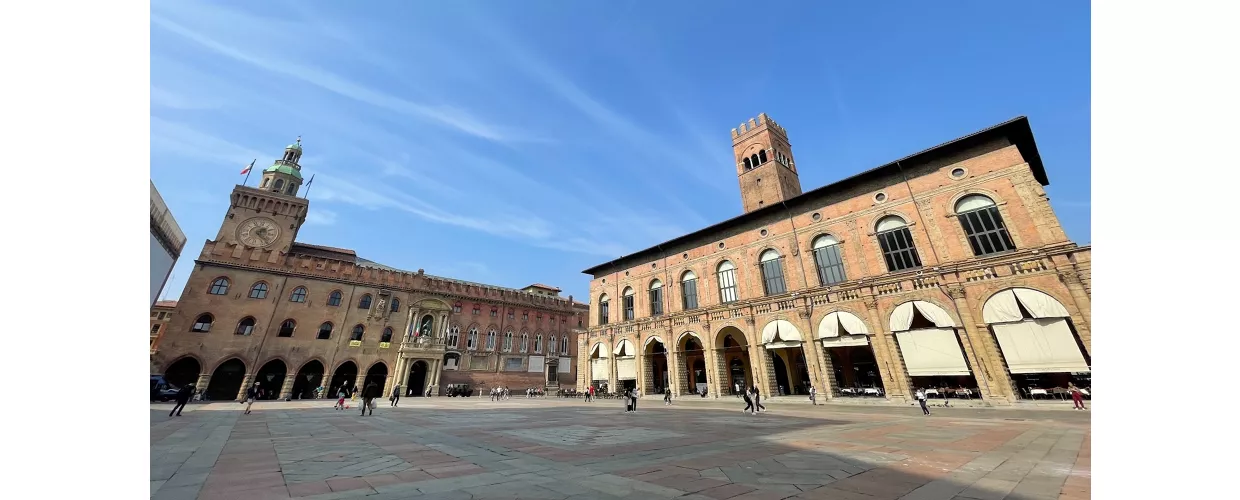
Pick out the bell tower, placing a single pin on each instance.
(764, 164)
(270, 215)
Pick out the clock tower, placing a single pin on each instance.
(269, 216)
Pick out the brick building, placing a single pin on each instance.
(946, 270)
(262, 306)
(161, 315)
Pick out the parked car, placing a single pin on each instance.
(161, 390)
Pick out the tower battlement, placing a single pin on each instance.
(746, 128)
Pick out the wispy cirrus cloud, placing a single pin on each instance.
(445, 115)
(321, 217)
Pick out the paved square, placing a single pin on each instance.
(560, 449)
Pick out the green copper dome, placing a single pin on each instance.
(293, 146)
(284, 169)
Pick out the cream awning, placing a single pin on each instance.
(1001, 308)
(626, 369)
(841, 329)
(781, 333)
(932, 351)
(598, 350)
(624, 348)
(598, 369)
(1040, 346)
(902, 317)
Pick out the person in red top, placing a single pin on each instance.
(589, 394)
(1078, 401)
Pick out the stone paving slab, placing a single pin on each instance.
(466, 448)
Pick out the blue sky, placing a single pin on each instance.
(519, 142)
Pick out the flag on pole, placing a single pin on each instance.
(247, 168)
(307, 195)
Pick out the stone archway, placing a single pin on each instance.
(226, 380)
(417, 378)
(308, 378)
(377, 374)
(656, 376)
(693, 353)
(733, 347)
(183, 372)
(344, 378)
(270, 378)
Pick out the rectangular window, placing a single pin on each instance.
(154, 329)
(628, 308)
(986, 231)
(656, 302)
(898, 249)
(494, 312)
(830, 265)
(512, 315)
(456, 308)
(689, 294)
(603, 313)
(525, 316)
(727, 286)
(773, 277)
(477, 311)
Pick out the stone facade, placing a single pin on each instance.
(261, 306)
(924, 192)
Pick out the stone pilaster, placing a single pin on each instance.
(286, 389)
(827, 370)
(246, 382)
(886, 353)
(813, 365)
(1080, 298)
(984, 353)
(204, 381)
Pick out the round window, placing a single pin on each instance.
(958, 172)
(880, 197)
(762, 233)
(817, 216)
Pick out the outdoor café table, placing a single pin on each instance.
(872, 390)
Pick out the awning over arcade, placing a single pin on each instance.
(625, 348)
(932, 351)
(781, 333)
(902, 317)
(841, 329)
(1041, 344)
(598, 351)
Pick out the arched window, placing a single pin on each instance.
(748, 165)
(828, 261)
(538, 343)
(983, 225)
(287, 327)
(656, 298)
(292, 188)
(603, 310)
(471, 340)
(762, 156)
(628, 304)
(525, 342)
(299, 295)
(553, 345)
(508, 341)
(203, 323)
(334, 298)
(265, 181)
(727, 282)
(246, 326)
(278, 185)
(454, 336)
(325, 331)
(564, 346)
(490, 340)
(395, 304)
(387, 335)
(258, 291)
(772, 272)
(688, 291)
(754, 159)
(219, 286)
(358, 332)
(897, 243)
(364, 303)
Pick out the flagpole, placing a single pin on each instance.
(308, 184)
(246, 182)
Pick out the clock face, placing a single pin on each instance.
(258, 232)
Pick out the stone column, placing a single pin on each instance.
(985, 358)
(890, 364)
(204, 380)
(716, 371)
(639, 360)
(246, 382)
(817, 377)
(584, 372)
(827, 389)
(673, 372)
(415, 315)
(1072, 279)
(360, 384)
(286, 389)
(611, 367)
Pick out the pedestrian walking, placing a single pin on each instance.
(369, 394)
(342, 394)
(667, 396)
(589, 394)
(921, 398)
(736, 389)
(757, 400)
(749, 408)
(182, 398)
(1078, 400)
(250, 395)
(813, 392)
(637, 392)
(395, 395)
